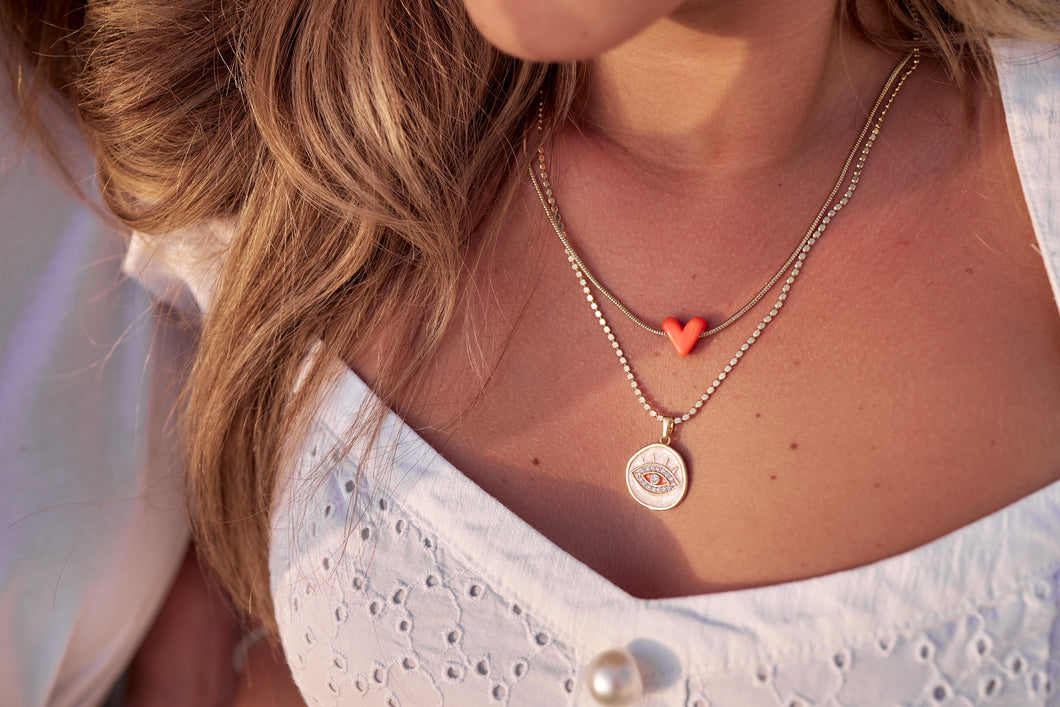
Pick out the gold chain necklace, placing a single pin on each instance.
(656, 475)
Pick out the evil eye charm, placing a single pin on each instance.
(656, 477)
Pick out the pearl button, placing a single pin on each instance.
(613, 678)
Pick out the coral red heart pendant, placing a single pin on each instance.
(684, 338)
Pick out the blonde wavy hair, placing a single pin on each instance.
(354, 146)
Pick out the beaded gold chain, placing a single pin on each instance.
(657, 476)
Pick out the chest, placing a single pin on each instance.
(910, 386)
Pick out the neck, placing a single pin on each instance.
(732, 87)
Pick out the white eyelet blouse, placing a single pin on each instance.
(420, 589)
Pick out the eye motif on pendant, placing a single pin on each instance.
(656, 477)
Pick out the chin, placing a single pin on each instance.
(563, 30)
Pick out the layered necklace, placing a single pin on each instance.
(656, 475)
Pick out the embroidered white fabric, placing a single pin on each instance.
(418, 588)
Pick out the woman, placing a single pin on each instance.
(343, 187)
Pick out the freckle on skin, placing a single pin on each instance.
(773, 477)
(758, 414)
(794, 445)
(969, 271)
(877, 485)
(535, 461)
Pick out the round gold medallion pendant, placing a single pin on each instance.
(656, 477)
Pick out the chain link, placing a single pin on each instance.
(860, 151)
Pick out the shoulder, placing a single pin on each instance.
(92, 487)
(1028, 75)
